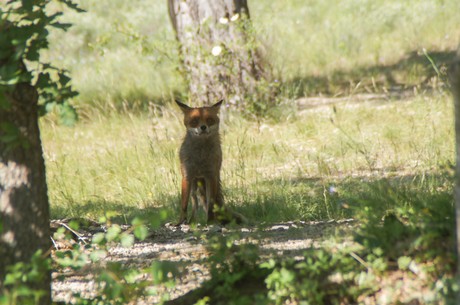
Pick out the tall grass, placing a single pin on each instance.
(317, 38)
(119, 51)
(123, 56)
(297, 168)
(123, 51)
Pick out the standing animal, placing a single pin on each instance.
(201, 160)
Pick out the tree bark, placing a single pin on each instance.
(455, 86)
(24, 208)
(221, 59)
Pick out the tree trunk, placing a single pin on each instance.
(24, 208)
(219, 53)
(455, 85)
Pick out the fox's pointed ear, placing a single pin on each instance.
(218, 104)
(182, 106)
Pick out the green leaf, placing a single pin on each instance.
(404, 262)
(62, 26)
(67, 114)
(10, 74)
(160, 270)
(111, 214)
(74, 225)
(49, 107)
(43, 80)
(113, 233)
(97, 255)
(98, 238)
(54, 16)
(4, 103)
(141, 232)
(127, 240)
(33, 52)
(63, 79)
(131, 276)
(27, 5)
(9, 133)
(73, 6)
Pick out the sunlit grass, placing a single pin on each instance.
(122, 51)
(290, 169)
(317, 38)
(122, 56)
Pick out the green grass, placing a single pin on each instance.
(389, 161)
(312, 164)
(309, 41)
(126, 53)
(118, 52)
(122, 155)
(387, 164)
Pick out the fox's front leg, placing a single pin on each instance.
(186, 187)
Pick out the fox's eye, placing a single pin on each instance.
(210, 121)
(194, 122)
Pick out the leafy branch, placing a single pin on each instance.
(24, 25)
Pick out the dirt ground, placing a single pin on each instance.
(183, 245)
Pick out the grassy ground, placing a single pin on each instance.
(386, 163)
(119, 52)
(311, 164)
(370, 161)
(122, 155)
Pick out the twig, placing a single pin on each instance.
(73, 231)
(361, 261)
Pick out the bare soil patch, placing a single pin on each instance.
(188, 248)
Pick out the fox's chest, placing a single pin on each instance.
(201, 159)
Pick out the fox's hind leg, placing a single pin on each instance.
(212, 197)
(201, 192)
(186, 187)
(193, 196)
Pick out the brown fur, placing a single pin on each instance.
(201, 161)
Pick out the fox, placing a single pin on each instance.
(200, 161)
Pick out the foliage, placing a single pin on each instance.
(20, 279)
(410, 220)
(242, 274)
(235, 275)
(116, 282)
(406, 229)
(24, 26)
(25, 29)
(320, 277)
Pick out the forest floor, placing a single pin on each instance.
(378, 157)
(183, 245)
(188, 249)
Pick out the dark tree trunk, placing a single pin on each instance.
(455, 83)
(219, 53)
(24, 208)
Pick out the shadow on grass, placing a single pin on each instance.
(119, 213)
(322, 199)
(413, 70)
(402, 220)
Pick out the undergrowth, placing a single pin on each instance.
(406, 233)
(385, 164)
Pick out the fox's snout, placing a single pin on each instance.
(201, 129)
